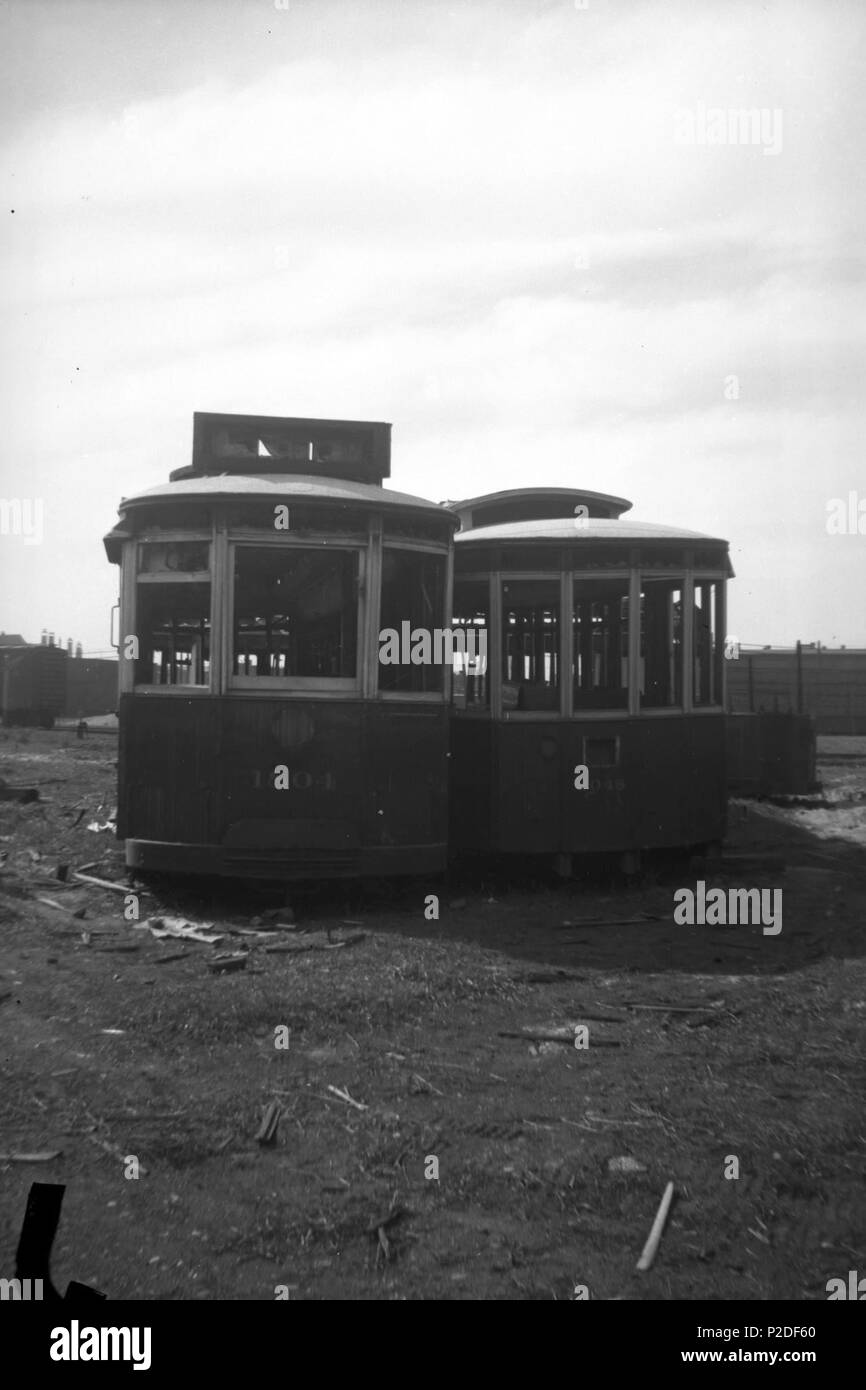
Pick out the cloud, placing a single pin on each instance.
(472, 220)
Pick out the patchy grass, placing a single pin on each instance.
(768, 1067)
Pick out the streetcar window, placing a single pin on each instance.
(174, 633)
(411, 659)
(530, 644)
(707, 648)
(661, 643)
(174, 557)
(295, 613)
(600, 672)
(470, 617)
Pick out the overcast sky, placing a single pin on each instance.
(481, 221)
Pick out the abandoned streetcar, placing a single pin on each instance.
(260, 735)
(289, 707)
(598, 724)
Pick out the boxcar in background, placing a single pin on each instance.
(32, 685)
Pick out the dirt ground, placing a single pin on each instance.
(724, 1042)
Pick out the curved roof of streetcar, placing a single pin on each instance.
(247, 485)
(589, 528)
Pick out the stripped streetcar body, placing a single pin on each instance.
(259, 734)
(598, 724)
(289, 706)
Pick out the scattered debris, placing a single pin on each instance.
(655, 1235)
(381, 1223)
(533, 1035)
(60, 907)
(419, 1085)
(175, 955)
(249, 934)
(296, 947)
(179, 926)
(115, 1032)
(624, 1164)
(758, 1235)
(115, 1151)
(230, 960)
(45, 1157)
(344, 1095)
(97, 828)
(672, 1008)
(102, 883)
(267, 1134)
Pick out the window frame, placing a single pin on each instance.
(474, 711)
(347, 686)
(131, 578)
(495, 647)
(683, 578)
(422, 697)
(624, 574)
(635, 575)
(720, 579)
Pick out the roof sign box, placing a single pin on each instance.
(355, 450)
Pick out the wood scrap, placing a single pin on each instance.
(655, 1235)
(297, 947)
(45, 1157)
(673, 1008)
(115, 1151)
(104, 883)
(381, 1223)
(61, 907)
(344, 1096)
(270, 1123)
(419, 1085)
(231, 961)
(567, 1039)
